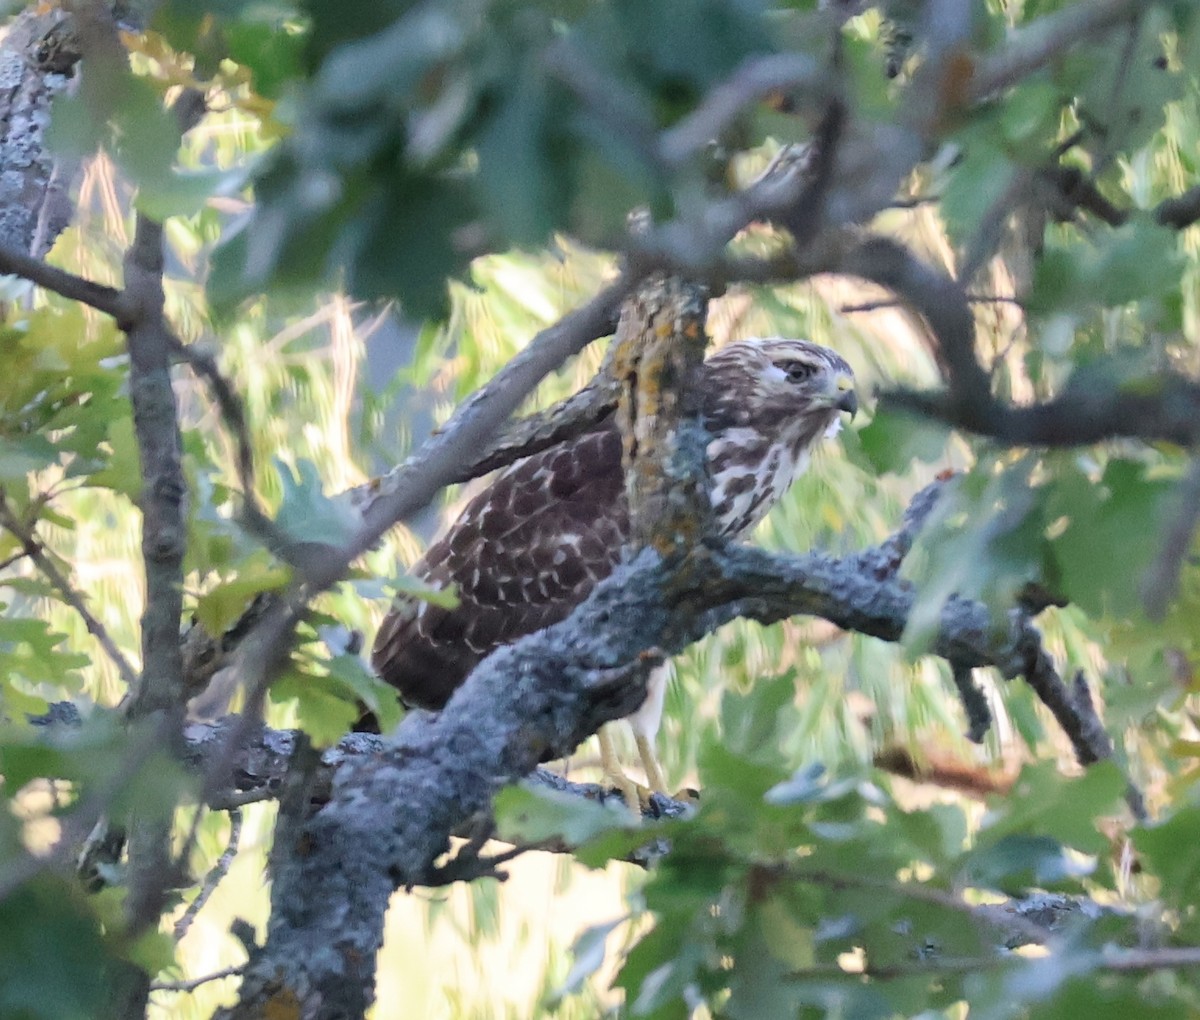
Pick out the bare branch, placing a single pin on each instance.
(1165, 406)
(37, 552)
(1045, 39)
(659, 349)
(68, 285)
(1079, 190)
(939, 299)
(192, 984)
(975, 299)
(156, 426)
(1181, 211)
(755, 79)
(219, 870)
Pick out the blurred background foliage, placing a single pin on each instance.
(385, 202)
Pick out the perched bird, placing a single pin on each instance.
(533, 544)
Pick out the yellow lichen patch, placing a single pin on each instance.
(283, 1005)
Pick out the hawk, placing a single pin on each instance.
(532, 545)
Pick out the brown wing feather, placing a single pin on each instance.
(522, 555)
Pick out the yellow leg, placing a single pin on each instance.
(654, 774)
(615, 774)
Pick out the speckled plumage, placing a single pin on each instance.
(533, 544)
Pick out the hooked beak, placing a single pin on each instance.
(846, 399)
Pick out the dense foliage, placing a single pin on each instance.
(377, 208)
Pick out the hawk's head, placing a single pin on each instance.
(774, 385)
(766, 402)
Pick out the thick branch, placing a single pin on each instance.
(540, 697)
(1078, 190)
(38, 58)
(164, 489)
(1165, 407)
(659, 349)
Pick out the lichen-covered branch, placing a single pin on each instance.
(540, 697)
(38, 58)
(659, 349)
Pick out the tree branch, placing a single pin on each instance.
(753, 80)
(1045, 39)
(213, 878)
(164, 488)
(68, 285)
(62, 584)
(540, 697)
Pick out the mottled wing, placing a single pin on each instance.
(522, 555)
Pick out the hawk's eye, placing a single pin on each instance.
(797, 371)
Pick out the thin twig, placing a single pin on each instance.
(1029, 932)
(214, 876)
(1111, 960)
(975, 299)
(912, 968)
(233, 414)
(34, 549)
(194, 983)
(1180, 211)
(939, 299)
(724, 103)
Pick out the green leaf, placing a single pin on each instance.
(31, 650)
(20, 457)
(325, 709)
(974, 184)
(1013, 864)
(1136, 262)
(269, 49)
(984, 540)
(379, 697)
(54, 959)
(589, 952)
(1030, 113)
(306, 514)
(1169, 851)
(1045, 803)
(894, 441)
(1125, 511)
(749, 722)
(521, 186)
(219, 608)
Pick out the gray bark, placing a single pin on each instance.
(38, 55)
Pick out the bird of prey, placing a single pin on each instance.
(532, 545)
